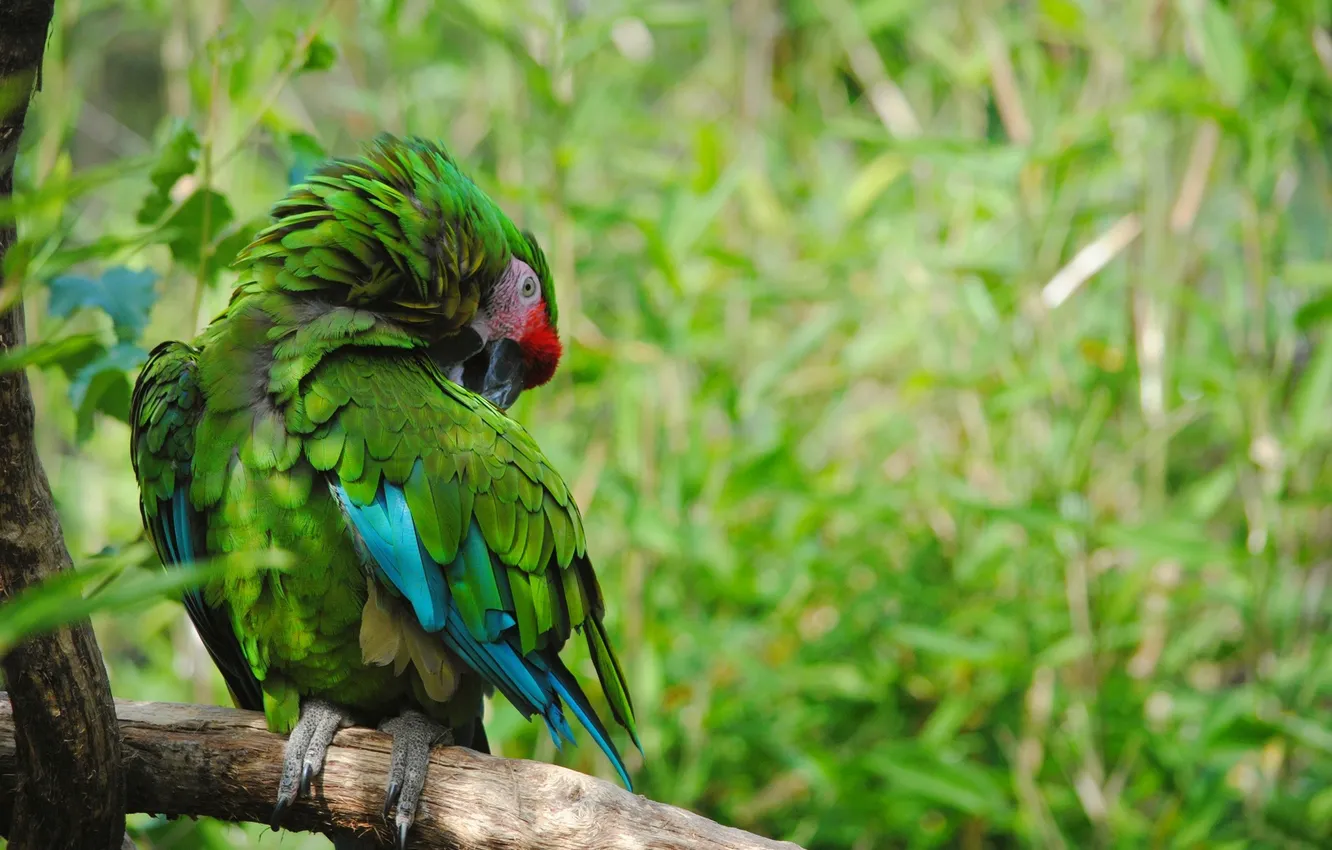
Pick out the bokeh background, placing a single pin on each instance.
(947, 388)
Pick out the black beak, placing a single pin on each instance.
(498, 373)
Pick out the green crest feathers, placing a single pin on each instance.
(400, 230)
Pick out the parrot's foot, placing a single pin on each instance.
(413, 736)
(306, 748)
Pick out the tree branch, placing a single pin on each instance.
(223, 763)
(70, 790)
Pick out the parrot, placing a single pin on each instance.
(348, 406)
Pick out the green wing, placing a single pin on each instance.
(465, 520)
(164, 411)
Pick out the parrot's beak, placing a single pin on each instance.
(456, 348)
(498, 372)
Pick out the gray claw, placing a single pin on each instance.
(413, 736)
(303, 757)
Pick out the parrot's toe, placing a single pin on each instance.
(303, 758)
(413, 736)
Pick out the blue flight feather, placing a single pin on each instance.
(174, 527)
(178, 538)
(496, 622)
(420, 578)
(386, 527)
(499, 664)
(180, 506)
(376, 514)
(378, 524)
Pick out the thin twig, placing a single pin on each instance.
(887, 100)
(298, 56)
(1090, 260)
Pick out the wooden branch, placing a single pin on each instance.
(71, 793)
(224, 763)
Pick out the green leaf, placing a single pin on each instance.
(872, 181)
(108, 584)
(103, 386)
(1167, 540)
(320, 56)
(48, 352)
(1034, 518)
(76, 360)
(178, 157)
(1239, 731)
(1313, 312)
(1311, 399)
(1223, 58)
(125, 295)
(232, 242)
(1065, 15)
(949, 645)
(1205, 496)
(197, 223)
(961, 785)
(1309, 733)
(1308, 274)
(62, 190)
(65, 258)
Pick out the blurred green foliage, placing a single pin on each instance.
(947, 385)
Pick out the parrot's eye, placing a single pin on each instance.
(529, 287)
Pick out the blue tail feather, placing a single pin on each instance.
(498, 663)
(567, 688)
(179, 542)
(534, 683)
(175, 533)
(180, 508)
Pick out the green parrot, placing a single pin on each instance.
(347, 407)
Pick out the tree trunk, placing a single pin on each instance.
(71, 791)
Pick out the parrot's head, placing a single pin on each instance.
(401, 231)
(515, 325)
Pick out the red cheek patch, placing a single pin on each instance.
(542, 350)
